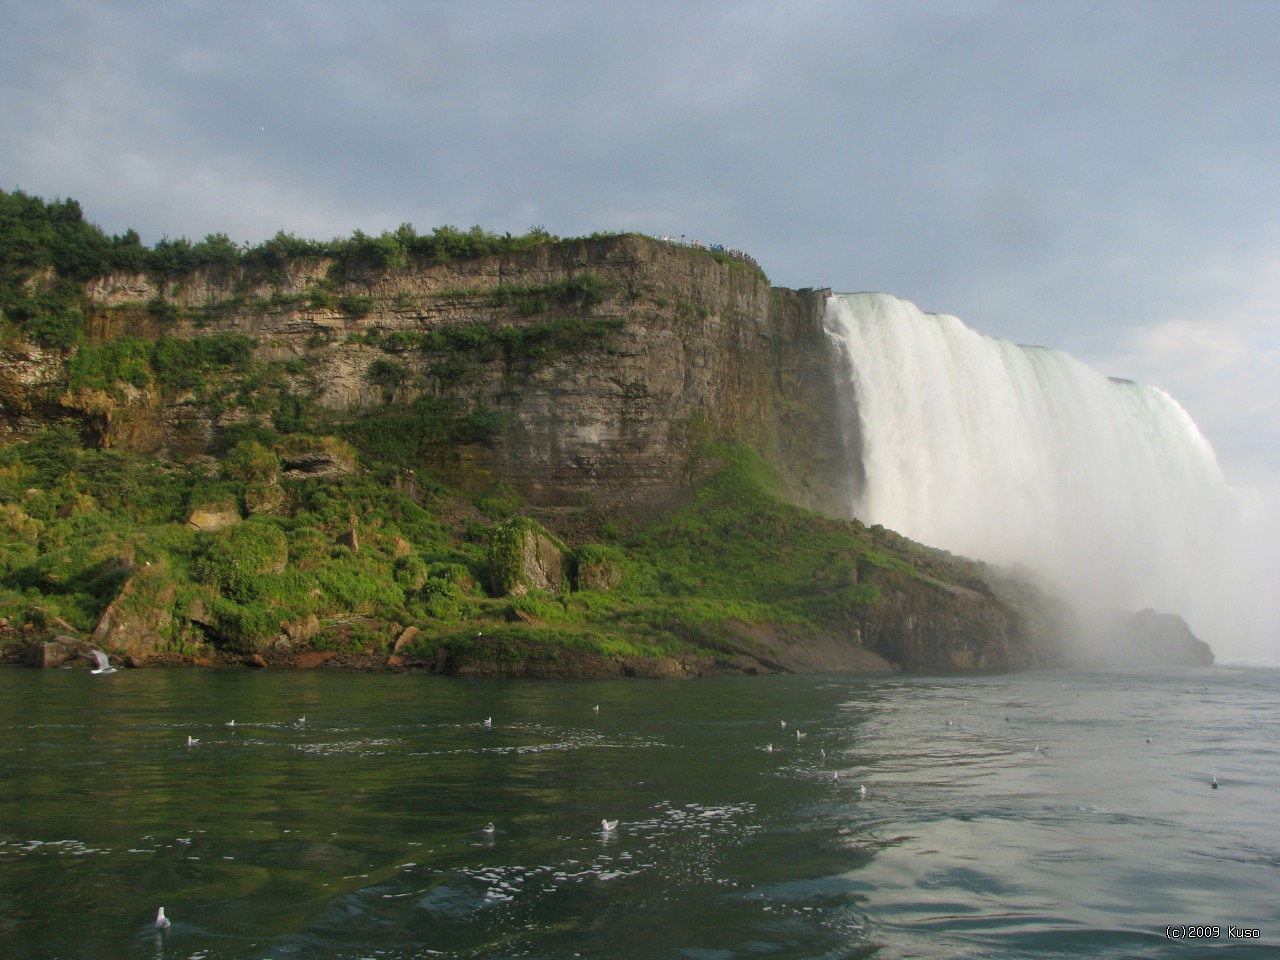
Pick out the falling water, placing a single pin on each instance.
(1024, 456)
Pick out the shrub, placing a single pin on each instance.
(355, 305)
(357, 591)
(410, 571)
(251, 462)
(235, 560)
(442, 599)
(387, 374)
(245, 628)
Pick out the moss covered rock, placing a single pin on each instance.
(523, 556)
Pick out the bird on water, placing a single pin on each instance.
(608, 826)
(162, 922)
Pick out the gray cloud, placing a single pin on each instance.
(1092, 176)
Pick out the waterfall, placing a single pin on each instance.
(1026, 457)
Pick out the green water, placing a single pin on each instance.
(359, 832)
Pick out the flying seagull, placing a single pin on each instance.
(103, 663)
(162, 922)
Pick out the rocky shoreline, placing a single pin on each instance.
(553, 664)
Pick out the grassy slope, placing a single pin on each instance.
(77, 523)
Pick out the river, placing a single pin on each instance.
(1053, 814)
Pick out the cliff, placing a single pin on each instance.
(302, 457)
(595, 366)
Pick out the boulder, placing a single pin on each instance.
(302, 629)
(136, 620)
(598, 574)
(409, 635)
(214, 517)
(523, 557)
(46, 654)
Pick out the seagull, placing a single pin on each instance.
(862, 789)
(487, 722)
(191, 741)
(229, 723)
(103, 663)
(784, 724)
(488, 828)
(162, 922)
(608, 826)
(302, 721)
(596, 708)
(1213, 782)
(835, 778)
(800, 736)
(768, 748)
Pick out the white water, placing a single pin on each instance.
(1025, 455)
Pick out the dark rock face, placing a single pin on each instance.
(1145, 639)
(921, 625)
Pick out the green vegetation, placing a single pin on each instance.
(170, 362)
(77, 525)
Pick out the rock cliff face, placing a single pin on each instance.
(693, 348)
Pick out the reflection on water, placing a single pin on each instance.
(1054, 814)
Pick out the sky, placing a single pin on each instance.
(1094, 176)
